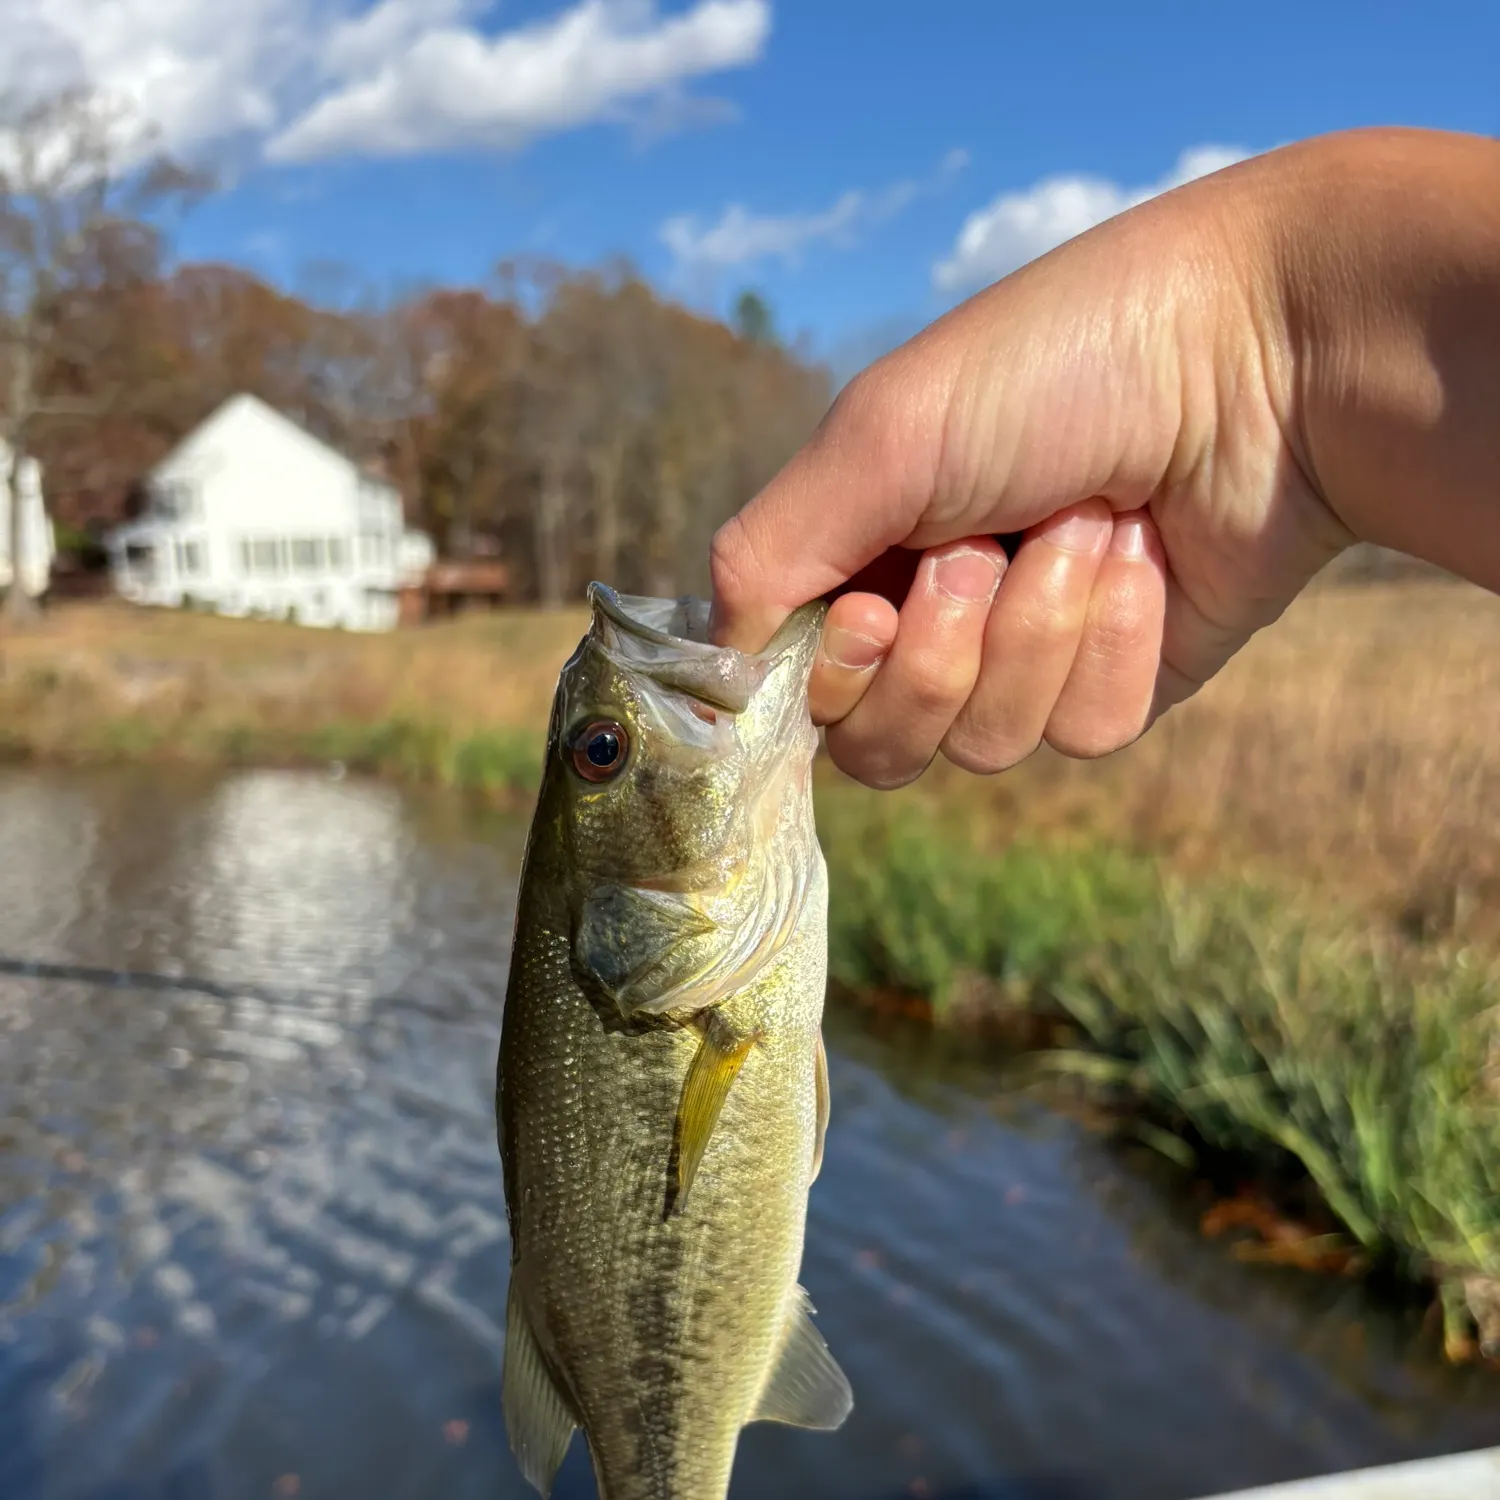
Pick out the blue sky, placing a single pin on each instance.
(844, 157)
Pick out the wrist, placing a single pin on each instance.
(1384, 247)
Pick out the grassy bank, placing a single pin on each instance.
(1355, 745)
(462, 704)
(1216, 1020)
(1265, 933)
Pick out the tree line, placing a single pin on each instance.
(574, 422)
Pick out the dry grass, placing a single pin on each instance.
(483, 671)
(461, 702)
(1354, 746)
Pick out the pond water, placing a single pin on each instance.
(253, 1244)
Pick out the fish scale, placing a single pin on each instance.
(662, 1317)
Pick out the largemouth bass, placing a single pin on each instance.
(662, 1091)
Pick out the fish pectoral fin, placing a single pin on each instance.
(806, 1388)
(537, 1416)
(820, 1084)
(715, 1065)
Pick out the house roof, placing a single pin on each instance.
(245, 404)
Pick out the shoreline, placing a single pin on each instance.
(1184, 937)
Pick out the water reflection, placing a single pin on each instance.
(39, 898)
(252, 1241)
(306, 876)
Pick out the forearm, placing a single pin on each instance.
(1386, 248)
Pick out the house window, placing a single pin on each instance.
(265, 556)
(372, 550)
(190, 559)
(338, 554)
(173, 499)
(140, 558)
(307, 554)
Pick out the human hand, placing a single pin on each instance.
(1179, 410)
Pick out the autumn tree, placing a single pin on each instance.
(81, 202)
(575, 421)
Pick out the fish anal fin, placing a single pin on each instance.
(820, 1084)
(537, 1416)
(715, 1065)
(806, 1387)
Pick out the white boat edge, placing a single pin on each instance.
(1463, 1476)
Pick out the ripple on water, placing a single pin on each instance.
(252, 1240)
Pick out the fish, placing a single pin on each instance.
(662, 1085)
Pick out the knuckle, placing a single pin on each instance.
(1048, 623)
(937, 685)
(1090, 738)
(1120, 625)
(730, 560)
(981, 754)
(863, 404)
(872, 416)
(879, 768)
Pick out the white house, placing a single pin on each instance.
(38, 541)
(251, 515)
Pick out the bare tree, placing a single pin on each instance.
(80, 206)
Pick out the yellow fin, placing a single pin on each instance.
(820, 1083)
(716, 1064)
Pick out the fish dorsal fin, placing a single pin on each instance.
(820, 1084)
(715, 1065)
(537, 1417)
(806, 1388)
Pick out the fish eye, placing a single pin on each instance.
(599, 749)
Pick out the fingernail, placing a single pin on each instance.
(1129, 539)
(848, 648)
(968, 576)
(1081, 532)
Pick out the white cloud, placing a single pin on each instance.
(198, 70)
(365, 41)
(1018, 227)
(739, 237)
(453, 87)
(321, 78)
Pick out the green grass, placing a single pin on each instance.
(1216, 1013)
(498, 763)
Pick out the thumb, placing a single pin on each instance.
(859, 487)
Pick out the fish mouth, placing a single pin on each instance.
(662, 622)
(667, 640)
